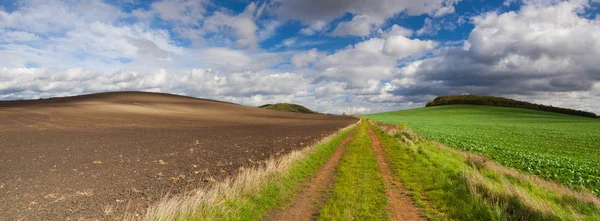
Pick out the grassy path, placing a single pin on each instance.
(401, 205)
(356, 183)
(359, 192)
(307, 204)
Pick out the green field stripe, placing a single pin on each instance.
(359, 191)
(555, 146)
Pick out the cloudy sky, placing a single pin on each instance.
(353, 56)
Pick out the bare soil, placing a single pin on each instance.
(94, 157)
(401, 205)
(307, 204)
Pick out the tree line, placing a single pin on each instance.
(503, 102)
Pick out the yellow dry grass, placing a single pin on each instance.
(484, 162)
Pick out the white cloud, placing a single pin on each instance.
(429, 27)
(543, 50)
(241, 26)
(373, 59)
(17, 36)
(360, 25)
(402, 47)
(314, 27)
(396, 30)
(367, 15)
(186, 12)
(38, 16)
(534, 32)
(306, 58)
(208, 83)
(38, 82)
(226, 57)
(232, 60)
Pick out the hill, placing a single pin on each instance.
(503, 102)
(555, 146)
(288, 107)
(152, 142)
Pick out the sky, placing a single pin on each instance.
(334, 56)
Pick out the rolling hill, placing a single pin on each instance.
(288, 107)
(76, 156)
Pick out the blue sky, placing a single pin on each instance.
(334, 56)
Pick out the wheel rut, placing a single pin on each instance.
(401, 205)
(307, 204)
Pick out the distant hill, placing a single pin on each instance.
(288, 107)
(503, 102)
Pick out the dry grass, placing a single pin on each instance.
(400, 131)
(207, 202)
(482, 162)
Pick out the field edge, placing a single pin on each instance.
(253, 192)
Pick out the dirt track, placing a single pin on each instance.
(95, 156)
(307, 204)
(400, 204)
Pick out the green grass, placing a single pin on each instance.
(449, 186)
(359, 191)
(554, 146)
(273, 191)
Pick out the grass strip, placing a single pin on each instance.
(455, 185)
(253, 192)
(359, 191)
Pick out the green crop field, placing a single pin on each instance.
(555, 146)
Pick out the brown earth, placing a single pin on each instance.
(307, 204)
(400, 204)
(93, 157)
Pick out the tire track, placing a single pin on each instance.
(401, 205)
(307, 204)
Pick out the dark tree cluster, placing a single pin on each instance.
(503, 102)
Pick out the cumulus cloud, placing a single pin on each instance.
(208, 83)
(17, 36)
(544, 52)
(18, 83)
(367, 16)
(186, 12)
(533, 52)
(232, 60)
(40, 16)
(396, 30)
(360, 25)
(314, 27)
(306, 58)
(241, 26)
(38, 82)
(373, 59)
(402, 47)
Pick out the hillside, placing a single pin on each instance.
(503, 102)
(288, 107)
(555, 146)
(65, 153)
